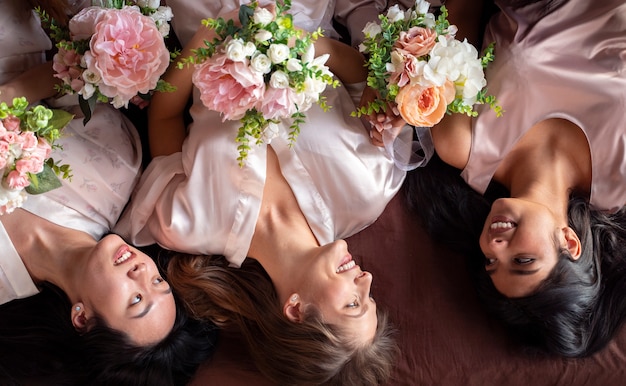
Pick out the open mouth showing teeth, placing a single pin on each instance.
(125, 256)
(347, 266)
(503, 225)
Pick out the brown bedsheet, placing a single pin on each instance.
(445, 336)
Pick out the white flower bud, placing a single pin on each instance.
(371, 29)
(294, 64)
(395, 14)
(262, 35)
(262, 16)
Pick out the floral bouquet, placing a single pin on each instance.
(27, 136)
(260, 72)
(415, 62)
(112, 53)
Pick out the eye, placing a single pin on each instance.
(523, 260)
(489, 262)
(354, 304)
(136, 299)
(158, 280)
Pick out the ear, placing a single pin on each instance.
(572, 242)
(292, 308)
(79, 320)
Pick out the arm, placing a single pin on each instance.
(345, 62)
(34, 84)
(354, 14)
(452, 138)
(166, 124)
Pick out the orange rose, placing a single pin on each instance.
(417, 41)
(424, 106)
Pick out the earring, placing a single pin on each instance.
(294, 298)
(77, 308)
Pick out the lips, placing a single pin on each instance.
(123, 255)
(501, 224)
(346, 264)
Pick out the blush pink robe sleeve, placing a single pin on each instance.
(569, 64)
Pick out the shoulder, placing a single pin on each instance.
(452, 138)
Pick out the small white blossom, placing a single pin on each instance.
(164, 29)
(270, 132)
(422, 6)
(260, 63)
(293, 64)
(152, 4)
(395, 14)
(119, 102)
(88, 90)
(249, 49)
(262, 35)
(279, 80)
(278, 52)
(262, 16)
(235, 50)
(371, 29)
(308, 55)
(429, 20)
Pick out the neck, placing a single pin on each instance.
(548, 164)
(51, 253)
(282, 239)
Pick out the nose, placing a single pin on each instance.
(363, 279)
(137, 270)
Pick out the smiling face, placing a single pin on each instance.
(340, 290)
(520, 240)
(124, 287)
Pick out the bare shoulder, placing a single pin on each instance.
(452, 138)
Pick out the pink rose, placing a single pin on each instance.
(28, 165)
(29, 140)
(228, 87)
(278, 103)
(11, 123)
(424, 106)
(42, 152)
(15, 180)
(408, 68)
(83, 24)
(128, 52)
(417, 41)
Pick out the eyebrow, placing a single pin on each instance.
(149, 306)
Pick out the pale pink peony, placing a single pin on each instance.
(128, 52)
(417, 41)
(278, 103)
(82, 25)
(228, 87)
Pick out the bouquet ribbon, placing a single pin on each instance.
(406, 153)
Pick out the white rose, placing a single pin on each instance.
(262, 16)
(91, 77)
(278, 52)
(279, 80)
(293, 64)
(262, 35)
(235, 50)
(261, 63)
(249, 49)
(371, 29)
(395, 14)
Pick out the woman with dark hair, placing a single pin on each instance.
(307, 314)
(107, 287)
(555, 244)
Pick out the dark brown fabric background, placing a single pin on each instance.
(445, 336)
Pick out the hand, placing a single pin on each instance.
(389, 120)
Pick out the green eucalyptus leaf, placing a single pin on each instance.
(43, 182)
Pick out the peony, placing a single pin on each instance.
(82, 25)
(424, 106)
(417, 41)
(127, 52)
(278, 103)
(228, 87)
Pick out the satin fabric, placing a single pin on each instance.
(105, 157)
(568, 64)
(200, 200)
(307, 14)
